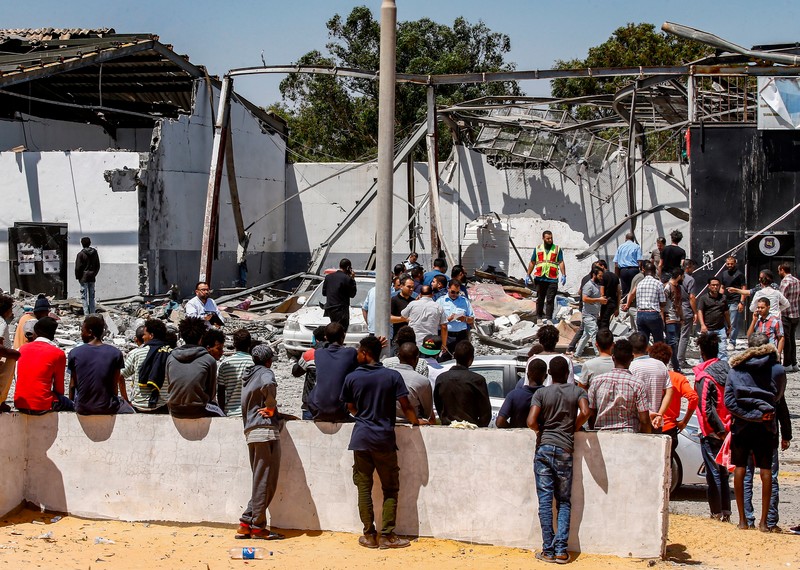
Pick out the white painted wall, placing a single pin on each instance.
(475, 486)
(13, 446)
(68, 187)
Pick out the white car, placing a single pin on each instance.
(298, 331)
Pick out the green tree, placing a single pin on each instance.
(336, 118)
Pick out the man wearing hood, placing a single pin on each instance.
(191, 374)
(150, 389)
(87, 266)
(714, 421)
(262, 424)
(755, 385)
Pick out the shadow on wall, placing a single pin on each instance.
(97, 428)
(591, 453)
(192, 429)
(413, 476)
(293, 504)
(39, 443)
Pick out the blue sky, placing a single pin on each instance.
(225, 35)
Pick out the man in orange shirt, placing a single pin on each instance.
(681, 388)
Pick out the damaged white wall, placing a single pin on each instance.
(576, 209)
(177, 182)
(69, 188)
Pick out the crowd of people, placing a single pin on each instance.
(633, 384)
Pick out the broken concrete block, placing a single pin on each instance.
(513, 318)
(502, 322)
(112, 327)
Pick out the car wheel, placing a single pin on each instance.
(676, 475)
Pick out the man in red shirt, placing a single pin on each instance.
(40, 373)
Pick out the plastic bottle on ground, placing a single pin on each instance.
(247, 553)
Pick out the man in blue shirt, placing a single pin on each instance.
(627, 262)
(439, 268)
(371, 392)
(334, 362)
(458, 311)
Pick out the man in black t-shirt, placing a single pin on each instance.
(517, 405)
(338, 288)
(370, 393)
(612, 292)
(672, 256)
(731, 277)
(557, 412)
(400, 302)
(713, 315)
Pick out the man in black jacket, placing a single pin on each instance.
(87, 266)
(339, 287)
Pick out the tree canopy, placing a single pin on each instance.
(336, 118)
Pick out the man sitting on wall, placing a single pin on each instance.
(40, 373)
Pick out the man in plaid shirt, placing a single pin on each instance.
(790, 287)
(617, 399)
(650, 300)
(768, 324)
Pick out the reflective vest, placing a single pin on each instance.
(546, 262)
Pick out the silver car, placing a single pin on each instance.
(298, 331)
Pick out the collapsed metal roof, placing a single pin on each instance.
(99, 76)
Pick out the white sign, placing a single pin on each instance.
(779, 103)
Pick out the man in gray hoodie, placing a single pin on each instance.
(191, 374)
(262, 423)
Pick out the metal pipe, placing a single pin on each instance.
(715, 41)
(214, 180)
(433, 175)
(383, 262)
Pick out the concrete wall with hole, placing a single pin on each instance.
(474, 486)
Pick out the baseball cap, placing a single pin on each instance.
(431, 345)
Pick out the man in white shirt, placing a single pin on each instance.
(204, 307)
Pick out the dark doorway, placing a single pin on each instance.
(38, 258)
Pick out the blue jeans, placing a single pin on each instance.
(717, 477)
(673, 338)
(772, 513)
(553, 469)
(650, 323)
(87, 296)
(723, 343)
(589, 334)
(736, 319)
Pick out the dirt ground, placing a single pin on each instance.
(692, 541)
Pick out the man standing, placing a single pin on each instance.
(231, 373)
(370, 393)
(426, 316)
(768, 324)
(307, 365)
(654, 377)
(617, 399)
(87, 266)
(627, 262)
(202, 306)
(592, 302)
(399, 303)
(439, 268)
(673, 313)
(600, 364)
(439, 286)
(649, 297)
(191, 374)
(790, 287)
(672, 256)
(547, 260)
(579, 333)
(777, 302)
(655, 255)
(689, 311)
(755, 385)
(40, 373)
(612, 292)
(732, 278)
(460, 394)
(458, 311)
(338, 288)
(96, 373)
(713, 315)
(334, 362)
(557, 412)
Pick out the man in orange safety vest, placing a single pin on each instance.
(545, 263)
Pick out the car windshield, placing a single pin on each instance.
(363, 287)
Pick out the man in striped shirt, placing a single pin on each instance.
(230, 374)
(617, 399)
(790, 287)
(654, 377)
(768, 324)
(650, 300)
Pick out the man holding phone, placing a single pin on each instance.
(338, 288)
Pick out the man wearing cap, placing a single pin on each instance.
(40, 309)
(431, 349)
(426, 316)
(547, 260)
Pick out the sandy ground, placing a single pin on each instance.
(692, 541)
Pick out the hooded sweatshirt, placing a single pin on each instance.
(712, 415)
(755, 384)
(192, 375)
(259, 390)
(87, 265)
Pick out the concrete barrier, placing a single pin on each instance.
(475, 486)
